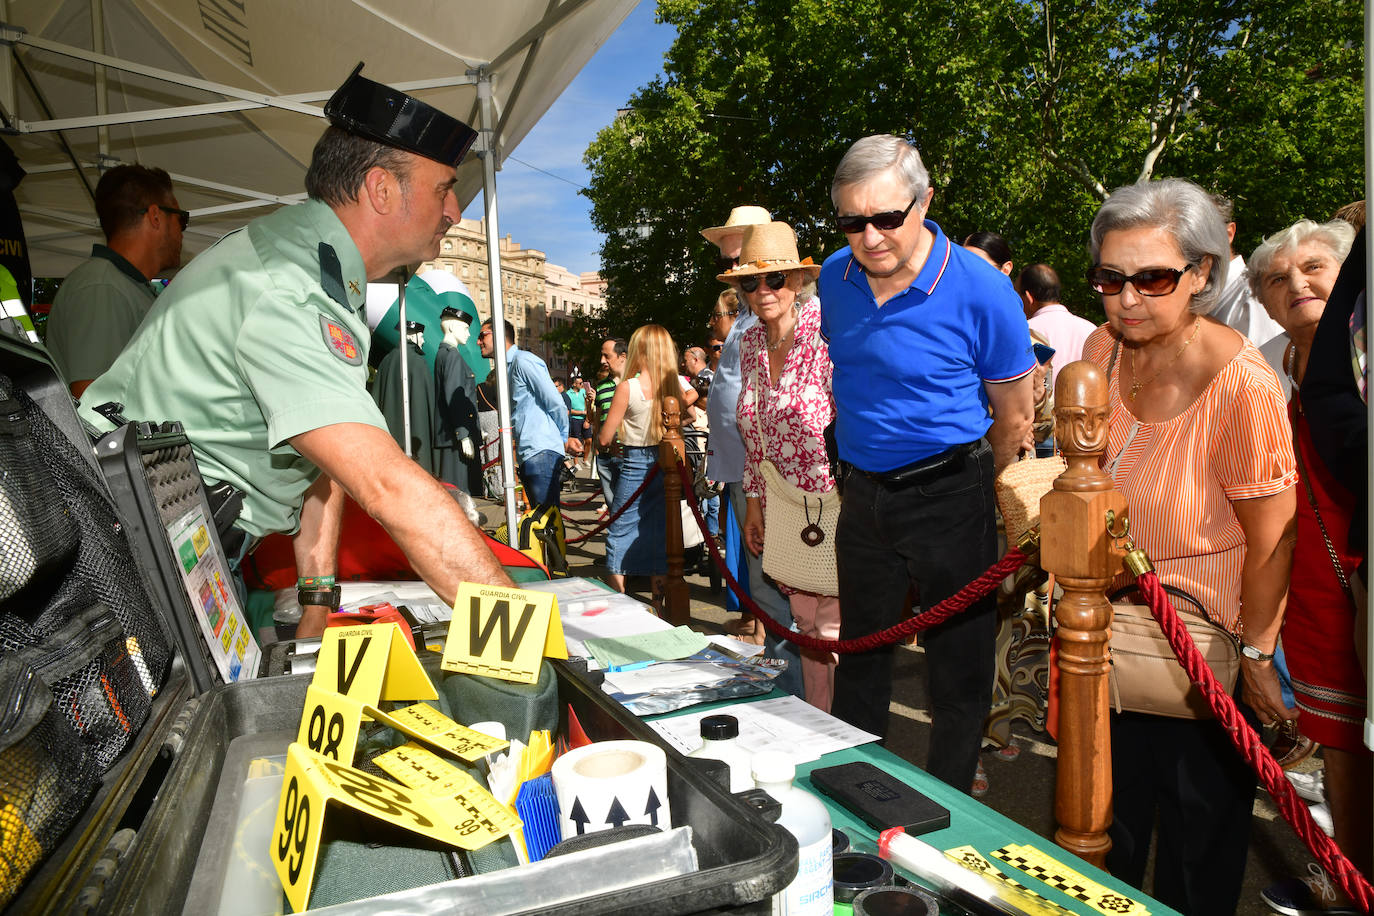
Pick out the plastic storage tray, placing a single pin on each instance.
(744, 858)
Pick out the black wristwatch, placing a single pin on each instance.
(318, 597)
(1251, 652)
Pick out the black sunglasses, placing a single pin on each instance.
(183, 216)
(776, 280)
(888, 219)
(715, 315)
(716, 348)
(723, 263)
(1156, 281)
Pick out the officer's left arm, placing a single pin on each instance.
(1013, 410)
(316, 545)
(422, 518)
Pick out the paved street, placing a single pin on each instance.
(1022, 789)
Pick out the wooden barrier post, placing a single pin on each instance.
(1076, 548)
(671, 452)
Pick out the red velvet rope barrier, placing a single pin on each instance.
(1294, 810)
(653, 471)
(959, 601)
(563, 505)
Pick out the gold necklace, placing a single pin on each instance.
(773, 346)
(1137, 385)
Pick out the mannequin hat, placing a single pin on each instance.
(738, 219)
(767, 248)
(412, 327)
(369, 109)
(453, 313)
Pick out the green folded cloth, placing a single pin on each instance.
(522, 708)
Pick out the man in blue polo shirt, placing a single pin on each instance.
(926, 339)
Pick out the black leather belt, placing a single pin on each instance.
(924, 471)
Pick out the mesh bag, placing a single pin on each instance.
(36, 536)
(47, 774)
(102, 570)
(96, 683)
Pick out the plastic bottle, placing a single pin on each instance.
(811, 893)
(720, 741)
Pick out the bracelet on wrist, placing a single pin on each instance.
(318, 597)
(315, 582)
(1254, 654)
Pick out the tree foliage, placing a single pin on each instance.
(1026, 113)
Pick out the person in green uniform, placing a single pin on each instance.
(386, 391)
(260, 350)
(103, 301)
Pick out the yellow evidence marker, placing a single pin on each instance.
(487, 819)
(313, 782)
(503, 632)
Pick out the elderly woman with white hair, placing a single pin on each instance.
(1292, 274)
(1200, 446)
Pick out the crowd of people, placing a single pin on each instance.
(906, 371)
(856, 414)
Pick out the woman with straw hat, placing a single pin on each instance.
(784, 407)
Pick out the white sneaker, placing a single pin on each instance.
(1311, 784)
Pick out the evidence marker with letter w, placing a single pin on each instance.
(503, 632)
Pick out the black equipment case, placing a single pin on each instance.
(114, 728)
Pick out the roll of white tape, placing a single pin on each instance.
(610, 784)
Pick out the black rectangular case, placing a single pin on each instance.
(134, 819)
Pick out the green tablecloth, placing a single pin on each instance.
(971, 823)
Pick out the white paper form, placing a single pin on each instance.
(786, 724)
(668, 676)
(588, 610)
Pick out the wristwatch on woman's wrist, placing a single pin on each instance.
(1252, 653)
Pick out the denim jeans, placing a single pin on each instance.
(608, 469)
(710, 511)
(939, 536)
(542, 475)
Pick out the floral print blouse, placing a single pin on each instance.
(789, 413)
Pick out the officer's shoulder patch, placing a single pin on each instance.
(340, 342)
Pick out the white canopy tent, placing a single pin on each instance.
(227, 96)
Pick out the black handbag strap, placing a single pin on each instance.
(1312, 501)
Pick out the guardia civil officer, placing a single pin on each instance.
(260, 350)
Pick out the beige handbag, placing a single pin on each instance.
(798, 527)
(799, 535)
(1020, 487)
(1145, 674)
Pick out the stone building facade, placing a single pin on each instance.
(539, 296)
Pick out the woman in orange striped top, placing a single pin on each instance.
(1201, 447)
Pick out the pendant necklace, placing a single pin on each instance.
(1136, 386)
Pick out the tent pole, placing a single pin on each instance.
(404, 276)
(102, 101)
(498, 312)
(8, 98)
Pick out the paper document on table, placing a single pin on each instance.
(785, 724)
(614, 615)
(418, 598)
(662, 645)
(738, 648)
(669, 676)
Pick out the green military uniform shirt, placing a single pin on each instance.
(95, 313)
(259, 339)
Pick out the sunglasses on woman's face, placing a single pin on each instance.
(886, 221)
(775, 280)
(1156, 281)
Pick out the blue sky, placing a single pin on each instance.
(539, 211)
